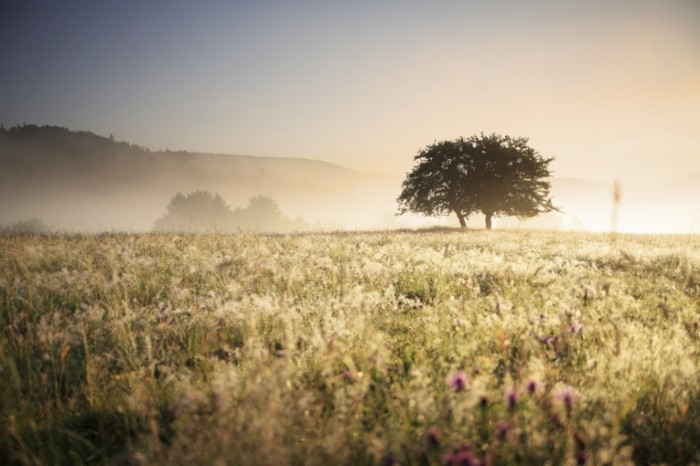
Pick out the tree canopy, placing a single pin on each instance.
(199, 210)
(495, 175)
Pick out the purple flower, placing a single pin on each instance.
(462, 456)
(512, 399)
(348, 376)
(459, 381)
(532, 386)
(550, 340)
(568, 397)
(434, 436)
(575, 328)
(502, 430)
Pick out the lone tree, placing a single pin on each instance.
(495, 175)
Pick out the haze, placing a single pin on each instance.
(611, 89)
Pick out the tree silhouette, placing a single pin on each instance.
(264, 214)
(203, 211)
(197, 211)
(495, 175)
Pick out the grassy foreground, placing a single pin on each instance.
(368, 348)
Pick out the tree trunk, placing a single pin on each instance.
(460, 217)
(488, 220)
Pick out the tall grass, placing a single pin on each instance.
(367, 348)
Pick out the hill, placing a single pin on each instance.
(80, 180)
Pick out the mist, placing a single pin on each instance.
(80, 181)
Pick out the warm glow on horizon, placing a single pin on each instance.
(611, 90)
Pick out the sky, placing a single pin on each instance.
(610, 89)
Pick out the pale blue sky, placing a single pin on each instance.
(611, 89)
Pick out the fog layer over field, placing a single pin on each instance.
(80, 181)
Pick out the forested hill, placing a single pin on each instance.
(80, 180)
(47, 150)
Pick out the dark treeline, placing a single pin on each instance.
(77, 143)
(38, 156)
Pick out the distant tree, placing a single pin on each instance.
(203, 211)
(495, 175)
(196, 211)
(264, 214)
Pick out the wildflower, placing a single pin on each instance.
(532, 386)
(568, 397)
(434, 436)
(462, 456)
(348, 376)
(484, 402)
(550, 340)
(459, 381)
(512, 399)
(575, 328)
(502, 431)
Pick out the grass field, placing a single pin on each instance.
(438, 347)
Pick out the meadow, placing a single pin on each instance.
(433, 347)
